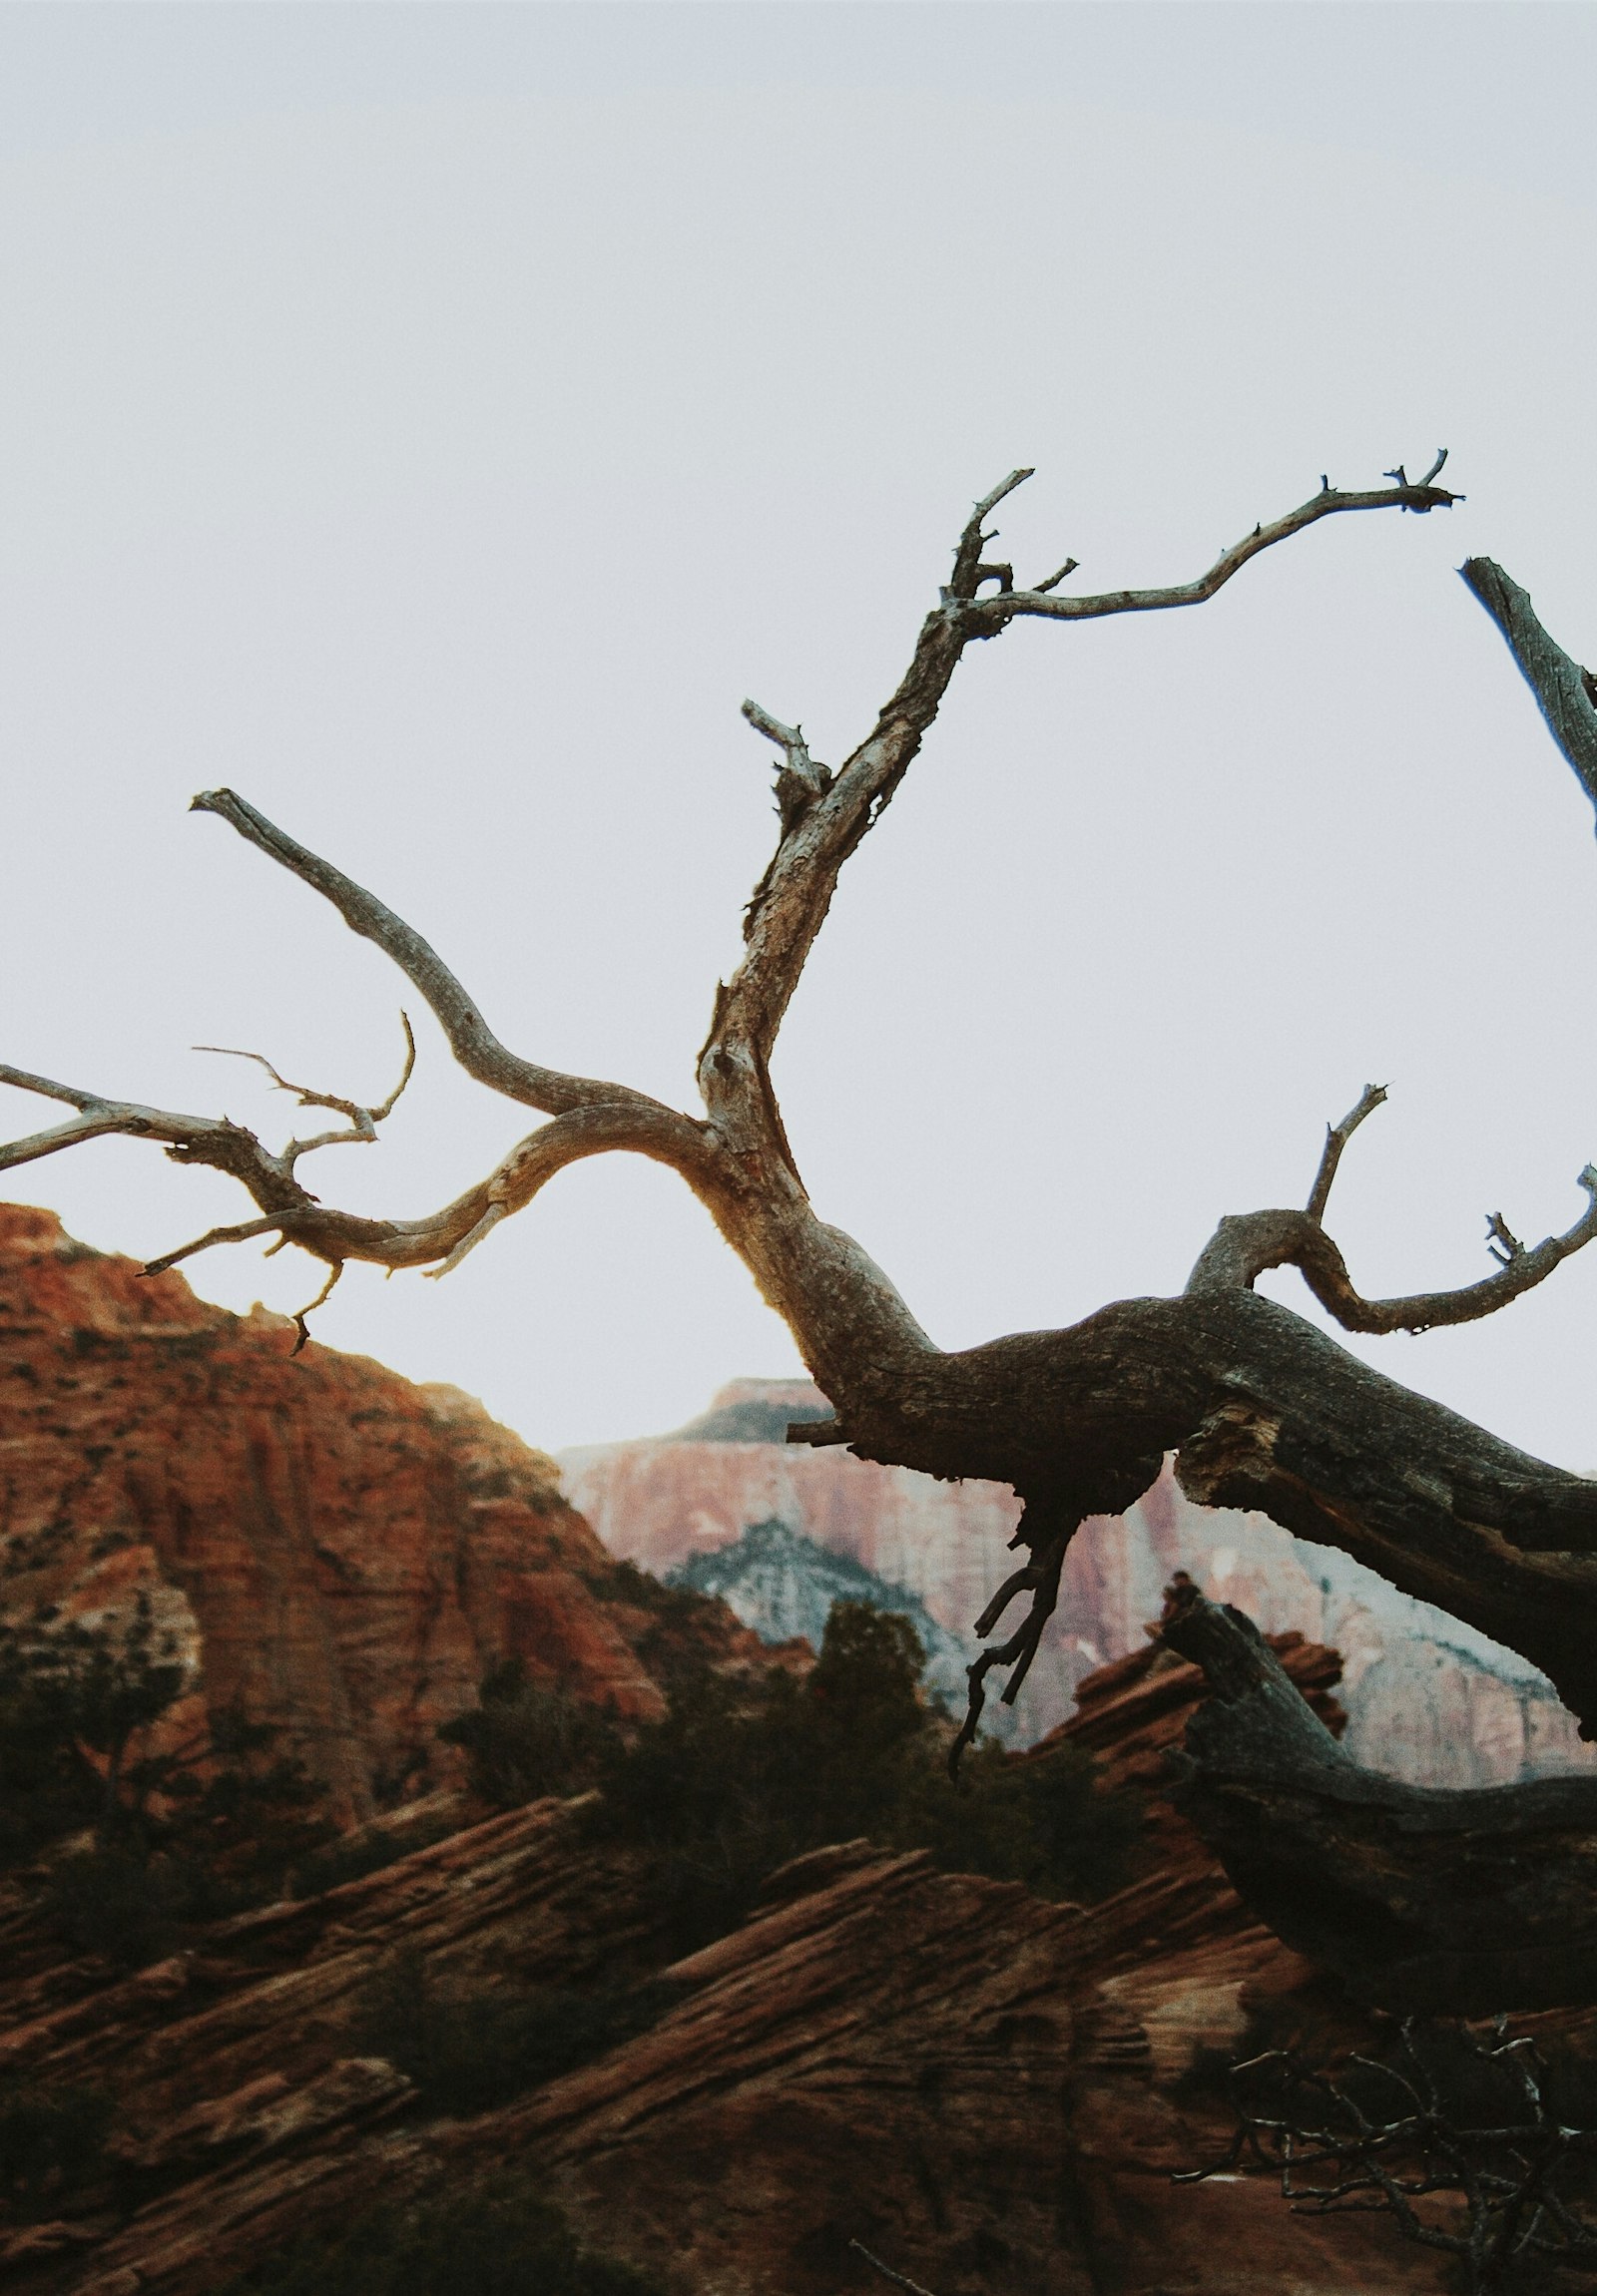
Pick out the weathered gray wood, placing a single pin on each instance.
(1565, 693)
(1421, 1900)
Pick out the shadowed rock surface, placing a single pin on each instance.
(989, 2090)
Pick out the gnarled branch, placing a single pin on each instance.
(1246, 1244)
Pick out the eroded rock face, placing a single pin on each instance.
(989, 2091)
(344, 1553)
(1429, 1699)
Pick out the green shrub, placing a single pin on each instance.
(51, 2141)
(468, 2048)
(1047, 1821)
(525, 1738)
(745, 1773)
(212, 1846)
(501, 2239)
(352, 1858)
(71, 1701)
(739, 1778)
(181, 1836)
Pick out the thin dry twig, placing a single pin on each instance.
(1498, 2174)
(363, 1120)
(887, 2273)
(1337, 1138)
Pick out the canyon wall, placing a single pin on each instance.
(1429, 1699)
(340, 1552)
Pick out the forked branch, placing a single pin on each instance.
(364, 1121)
(1246, 1244)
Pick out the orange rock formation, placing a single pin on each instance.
(338, 1550)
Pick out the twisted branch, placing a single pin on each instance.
(1047, 1537)
(1245, 1244)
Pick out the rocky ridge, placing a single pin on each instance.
(989, 2091)
(339, 1551)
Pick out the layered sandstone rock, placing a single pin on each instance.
(1429, 1699)
(342, 1553)
(988, 2092)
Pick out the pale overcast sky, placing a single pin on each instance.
(434, 420)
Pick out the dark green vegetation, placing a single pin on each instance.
(52, 2143)
(127, 1845)
(501, 2239)
(468, 2048)
(747, 1772)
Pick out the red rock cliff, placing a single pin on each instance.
(340, 1550)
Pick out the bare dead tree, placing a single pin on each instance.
(1451, 2135)
(1261, 1409)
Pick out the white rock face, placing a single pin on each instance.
(1429, 1699)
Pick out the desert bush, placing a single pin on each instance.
(1458, 2133)
(52, 2143)
(746, 1772)
(524, 1738)
(501, 2239)
(468, 2048)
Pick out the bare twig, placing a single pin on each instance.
(240, 1232)
(1403, 494)
(799, 780)
(969, 573)
(364, 1121)
(335, 1270)
(1337, 1138)
(887, 2273)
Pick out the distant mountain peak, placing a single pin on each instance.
(754, 1411)
(783, 1583)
